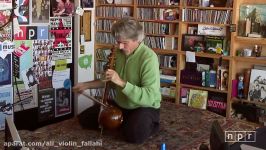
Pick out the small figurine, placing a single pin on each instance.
(240, 86)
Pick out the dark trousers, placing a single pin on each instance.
(138, 124)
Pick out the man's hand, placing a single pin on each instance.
(80, 87)
(111, 75)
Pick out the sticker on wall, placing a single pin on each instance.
(59, 78)
(67, 84)
(5, 70)
(5, 4)
(40, 11)
(60, 65)
(6, 101)
(62, 102)
(61, 37)
(6, 47)
(46, 104)
(31, 33)
(22, 11)
(85, 61)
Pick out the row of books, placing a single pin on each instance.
(209, 78)
(118, 12)
(104, 24)
(207, 3)
(167, 61)
(201, 99)
(207, 16)
(155, 28)
(168, 91)
(102, 54)
(157, 2)
(157, 14)
(161, 42)
(104, 37)
(167, 79)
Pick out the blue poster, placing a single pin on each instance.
(5, 70)
(6, 101)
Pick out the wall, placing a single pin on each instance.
(83, 74)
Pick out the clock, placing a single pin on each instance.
(110, 1)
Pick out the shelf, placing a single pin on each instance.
(159, 21)
(164, 51)
(115, 5)
(208, 55)
(167, 68)
(104, 45)
(165, 35)
(158, 6)
(255, 60)
(168, 96)
(203, 88)
(247, 101)
(196, 23)
(260, 41)
(208, 8)
(167, 84)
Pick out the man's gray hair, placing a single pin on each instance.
(127, 28)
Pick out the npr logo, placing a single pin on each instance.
(240, 136)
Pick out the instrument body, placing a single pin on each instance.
(110, 117)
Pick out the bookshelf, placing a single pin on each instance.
(240, 64)
(165, 25)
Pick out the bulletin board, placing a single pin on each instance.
(37, 56)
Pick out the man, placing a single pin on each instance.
(136, 79)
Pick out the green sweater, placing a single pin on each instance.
(140, 70)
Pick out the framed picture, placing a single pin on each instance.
(85, 25)
(87, 3)
(193, 43)
(257, 86)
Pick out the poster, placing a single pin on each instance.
(6, 101)
(6, 33)
(40, 11)
(5, 70)
(62, 102)
(46, 110)
(85, 25)
(22, 11)
(61, 38)
(42, 56)
(61, 8)
(24, 99)
(29, 78)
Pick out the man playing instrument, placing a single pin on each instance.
(137, 82)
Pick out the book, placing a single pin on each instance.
(211, 30)
(197, 99)
(184, 95)
(217, 103)
(257, 86)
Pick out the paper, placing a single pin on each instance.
(60, 65)
(59, 78)
(6, 100)
(82, 39)
(190, 56)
